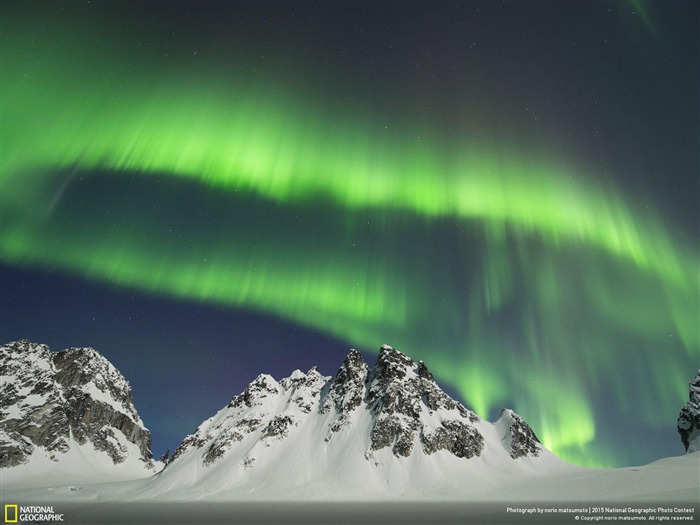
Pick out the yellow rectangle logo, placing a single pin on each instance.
(10, 511)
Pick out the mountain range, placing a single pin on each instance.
(69, 428)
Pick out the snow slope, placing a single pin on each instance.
(674, 480)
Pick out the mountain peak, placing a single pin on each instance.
(517, 435)
(346, 393)
(260, 388)
(407, 404)
(52, 402)
(361, 417)
(392, 364)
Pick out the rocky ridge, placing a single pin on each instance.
(689, 418)
(398, 404)
(52, 401)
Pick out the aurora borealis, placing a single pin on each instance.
(492, 188)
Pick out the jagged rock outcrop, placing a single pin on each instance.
(397, 405)
(252, 413)
(689, 418)
(346, 393)
(50, 399)
(399, 392)
(260, 388)
(458, 438)
(520, 438)
(32, 409)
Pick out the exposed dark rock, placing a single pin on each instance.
(278, 427)
(261, 387)
(462, 440)
(220, 445)
(346, 393)
(403, 389)
(348, 388)
(93, 420)
(304, 388)
(689, 419)
(47, 398)
(248, 424)
(191, 441)
(398, 399)
(219, 438)
(521, 438)
(385, 431)
(302, 404)
(15, 449)
(423, 371)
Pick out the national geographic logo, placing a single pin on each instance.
(31, 513)
(11, 513)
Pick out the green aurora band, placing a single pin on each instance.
(518, 278)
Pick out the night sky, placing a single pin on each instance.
(509, 191)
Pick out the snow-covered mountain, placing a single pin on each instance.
(68, 410)
(386, 431)
(307, 446)
(689, 418)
